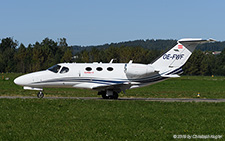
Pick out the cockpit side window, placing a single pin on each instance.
(64, 70)
(55, 68)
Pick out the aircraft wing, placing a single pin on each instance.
(89, 85)
(96, 86)
(171, 76)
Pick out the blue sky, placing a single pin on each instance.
(95, 22)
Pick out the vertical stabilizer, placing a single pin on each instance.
(171, 62)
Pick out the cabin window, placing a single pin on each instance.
(99, 68)
(110, 69)
(64, 70)
(88, 69)
(55, 68)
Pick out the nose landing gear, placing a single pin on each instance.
(40, 94)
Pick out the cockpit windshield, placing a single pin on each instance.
(64, 70)
(55, 68)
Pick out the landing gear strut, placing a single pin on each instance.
(40, 94)
(108, 94)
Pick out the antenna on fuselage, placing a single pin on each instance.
(111, 61)
(130, 62)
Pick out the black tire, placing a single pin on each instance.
(104, 96)
(115, 95)
(103, 93)
(40, 94)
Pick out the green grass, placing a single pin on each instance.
(69, 119)
(44, 119)
(183, 87)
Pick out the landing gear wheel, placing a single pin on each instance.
(40, 94)
(115, 95)
(105, 97)
(103, 93)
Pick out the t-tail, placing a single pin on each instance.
(170, 64)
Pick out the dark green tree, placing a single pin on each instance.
(7, 49)
(67, 57)
(20, 56)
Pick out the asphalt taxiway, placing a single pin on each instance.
(123, 99)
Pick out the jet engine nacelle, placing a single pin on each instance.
(138, 70)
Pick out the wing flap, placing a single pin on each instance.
(97, 86)
(89, 85)
(171, 76)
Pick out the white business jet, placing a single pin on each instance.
(109, 79)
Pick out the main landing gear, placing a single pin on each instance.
(40, 94)
(109, 94)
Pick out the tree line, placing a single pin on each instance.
(152, 44)
(15, 57)
(147, 44)
(119, 54)
(39, 56)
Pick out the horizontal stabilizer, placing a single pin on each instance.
(198, 40)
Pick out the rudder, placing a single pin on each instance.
(177, 56)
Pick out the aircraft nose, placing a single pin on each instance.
(21, 80)
(30, 78)
(18, 81)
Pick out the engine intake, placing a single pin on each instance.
(138, 70)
